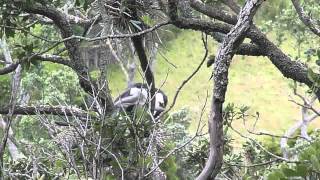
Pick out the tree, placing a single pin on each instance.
(70, 23)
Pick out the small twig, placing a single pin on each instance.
(204, 40)
(253, 165)
(184, 144)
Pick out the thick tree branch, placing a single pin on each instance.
(213, 12)
(290, 69)
(53, 58)
(220, 73)
(8, 69)
(244, 49)
(234, 6)
(72, 19)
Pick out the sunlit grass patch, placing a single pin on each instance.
(254, 82)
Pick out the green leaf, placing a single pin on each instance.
(26, 65)
(318, 53)
(85, 5)
(147, 20)
(244, 109)
(301, 170)
(315, 162)
(276, 175)
(28, 48)
(313, 77)
(289, 172)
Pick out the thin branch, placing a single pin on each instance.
(253, 165)
(44, 109)
(261, 147)
(15, 88)
(184, 144)
(42, 57)
(29, 32)
(184, 82)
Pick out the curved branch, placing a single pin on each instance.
(213, 12)
(9, 69)
(73, 47)
(44, 57)
(308, 21)
(220, 73)
(248, 49)
(290, 69)
(53, 58)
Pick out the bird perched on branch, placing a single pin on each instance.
(137, 95)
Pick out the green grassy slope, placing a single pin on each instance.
(254, 82)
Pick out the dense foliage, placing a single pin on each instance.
(133, 145)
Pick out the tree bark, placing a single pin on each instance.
(144, 62)
(73, 47)
(308, 21)
(289, 68)
(220, 80)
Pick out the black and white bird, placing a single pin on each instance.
(137, 95)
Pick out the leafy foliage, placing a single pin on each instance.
(306, 166)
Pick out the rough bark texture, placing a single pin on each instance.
(290, 69)
(220, 73)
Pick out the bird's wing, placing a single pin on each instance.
(126, 101)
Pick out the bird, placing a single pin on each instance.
(137, 95)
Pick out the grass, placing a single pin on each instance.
(253, 81)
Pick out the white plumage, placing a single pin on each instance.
(137, 95)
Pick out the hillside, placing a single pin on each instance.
(254, 82)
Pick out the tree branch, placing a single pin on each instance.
(290, 69)
(44, 57)
(248, 49)
(144, 62)
(308, 21)
(45, 109)
(213, 12)
(73, 47)
(15, 89)
(9, 69)
(220, 73)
